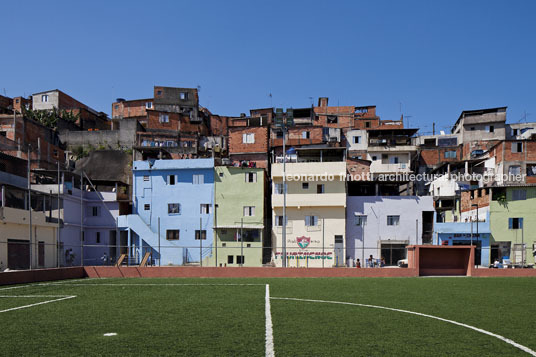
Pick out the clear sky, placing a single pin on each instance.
(427, 59)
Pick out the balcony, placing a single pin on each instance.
(310, 168)
(311, 200)
(389, 148)
(379, 168)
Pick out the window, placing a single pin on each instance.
(305, 185)
(172, 234)
(184, 95)
(55, 152)
(279, 221)
(149, 105)
(472, 128)
(203, 234)
(198, 179)
(278, 188)
(44, 98)
(146, 207)
(248, 138)
(357, 139)
(97, 240)
(394, 159)
(531, 169)
(171, 179)
(450, 154)
(517, 147)
(320, 188)
(514, 170)
(374, 158)
(311, 221)
(164, 118)
(279, 135)
(305, 134)
(393, 220)
(230, 259)
(367, 124)
(158, 92)
(515, 223)
(332, 119)
(116, 107)
(95, 211)
(251, 177)
(360, 220)
(17, 101)
(205, 208)
(490, 128)
(249, 211)
(145, 178)
(240, 259)
(173, 208)
(519, 195)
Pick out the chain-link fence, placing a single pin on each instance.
(17, 254)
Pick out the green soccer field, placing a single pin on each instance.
(309, 317)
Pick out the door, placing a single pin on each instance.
(519, 254)
(41, 254)
(18, 254)
(339, 251)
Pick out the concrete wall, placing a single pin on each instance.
(232, 193)
(376, 231)
(70, 233)
(124, 137)
(156, 192)
(500, 214)
(14, 224)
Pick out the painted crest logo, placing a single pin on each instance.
(303, 242)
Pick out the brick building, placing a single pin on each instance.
(89, 119)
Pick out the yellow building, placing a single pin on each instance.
(14, 240)
(315, 209)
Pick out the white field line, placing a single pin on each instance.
(39, 303)
(147, 284)
(502, 338)
(269, 329)
(33, 296)
(21, 286)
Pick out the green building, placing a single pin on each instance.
(513, 223)
(239, 217)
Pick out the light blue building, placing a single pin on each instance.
(465, 233)
(172, 211)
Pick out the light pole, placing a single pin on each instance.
(283, 124)
(477, 236)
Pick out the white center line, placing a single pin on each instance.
(269, 329)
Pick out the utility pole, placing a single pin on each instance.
(59, 225)
(242, 242)
(30, 204)
(200, 242)
(82, 219)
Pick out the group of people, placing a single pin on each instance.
(371, 262)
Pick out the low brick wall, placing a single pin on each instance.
(32, 276)
(40, 275)
(486, 272)
(237, 272)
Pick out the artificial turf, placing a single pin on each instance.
(218, 320)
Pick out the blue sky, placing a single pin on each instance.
(432, 59)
